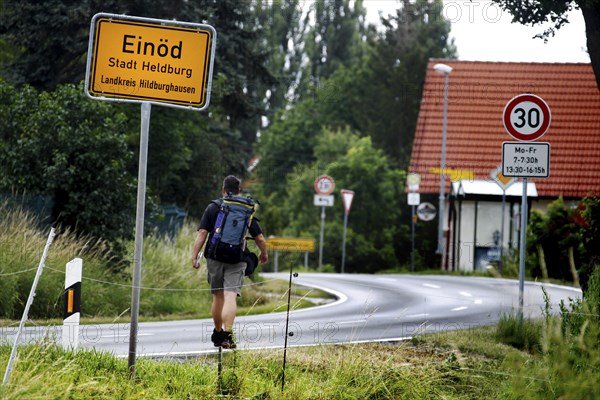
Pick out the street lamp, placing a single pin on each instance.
(446, 70)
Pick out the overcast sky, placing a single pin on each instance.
(484, 32)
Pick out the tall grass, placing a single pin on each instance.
(170, 287)
(169, 284)
(21, 247)
(370, 371)
(568, 366)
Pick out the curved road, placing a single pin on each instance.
(368, 308)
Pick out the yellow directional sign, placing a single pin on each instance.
(291, 244)
(142, 59)
(455, 174)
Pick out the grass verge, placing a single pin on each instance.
(452, 365)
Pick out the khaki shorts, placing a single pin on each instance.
(225, 276)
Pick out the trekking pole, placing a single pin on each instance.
(287, 324)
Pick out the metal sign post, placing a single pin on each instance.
(414, 199)
(504, 182)
(139, 238)
(522, 248)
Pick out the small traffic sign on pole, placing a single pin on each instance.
(347, 196)
(426, 212)
(503, 181)
(324, 184)
(413, 180)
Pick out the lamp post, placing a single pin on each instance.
(446, 70)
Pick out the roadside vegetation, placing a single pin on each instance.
(171, 288)
(556, 358)
(553, 358)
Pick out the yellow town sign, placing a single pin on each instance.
(141, 59)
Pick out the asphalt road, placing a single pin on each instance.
(367, 308)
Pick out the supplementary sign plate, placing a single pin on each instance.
(323, 200)
(526, 159)
(414, 199)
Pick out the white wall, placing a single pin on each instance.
(489, 219)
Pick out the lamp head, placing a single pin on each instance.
(442, 69)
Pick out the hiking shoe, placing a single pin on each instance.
(228, 340)
(217, 338)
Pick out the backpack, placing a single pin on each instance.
(227, 241)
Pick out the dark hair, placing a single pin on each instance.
(231, 185)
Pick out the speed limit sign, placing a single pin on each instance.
(526, 117)
(324, 185)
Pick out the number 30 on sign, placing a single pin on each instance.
(527, 117)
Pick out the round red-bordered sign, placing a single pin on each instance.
(526, 117)
(324, 185)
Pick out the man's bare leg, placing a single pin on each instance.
(229, 309)
(217, 309)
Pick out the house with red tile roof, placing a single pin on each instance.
(475, 225)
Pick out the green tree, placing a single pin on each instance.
(288, 142)
(50, 37)
(375, 241)
(74, 150)
(334, 40)
(392, 79)
(50, 42)
(284, 29)
(555, 12)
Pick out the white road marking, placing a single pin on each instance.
(459, 308)
(126, 335)
(466, 294)
(352, 322)
(430, 285)
(417, 315)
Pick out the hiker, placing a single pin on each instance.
(225, 267)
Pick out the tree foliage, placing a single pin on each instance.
(326, 92)
(555, 13)
(74, 150)
(374, 240)
(562, 227)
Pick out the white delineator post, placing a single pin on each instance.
(38, 275)
(72, 304)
